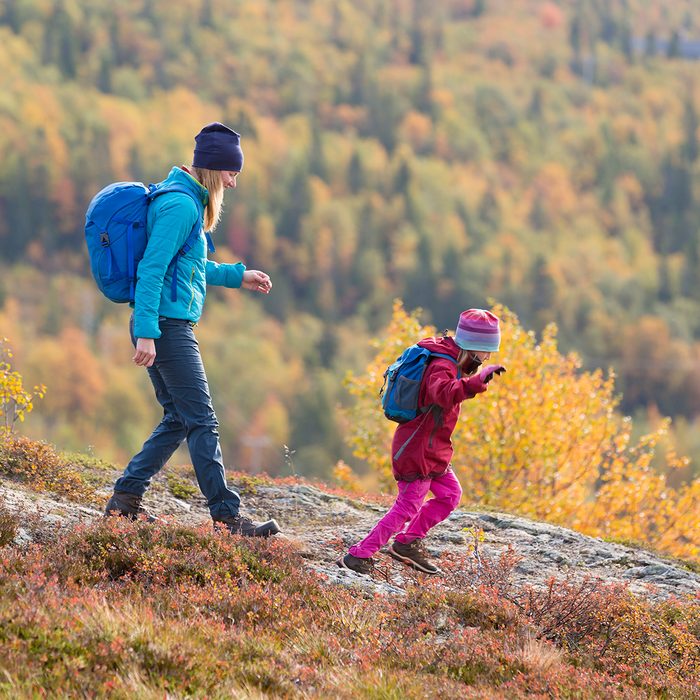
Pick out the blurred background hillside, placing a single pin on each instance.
(541, 154)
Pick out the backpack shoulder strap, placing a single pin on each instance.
(155, 191)
(443, 355)
(434, 408)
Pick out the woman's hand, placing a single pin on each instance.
(145, 354)
(257, 281)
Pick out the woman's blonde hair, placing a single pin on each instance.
(211, 179)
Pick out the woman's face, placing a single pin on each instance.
(228, 179)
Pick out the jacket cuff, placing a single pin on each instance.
(234, 275)
(146, 328)
(474, 386)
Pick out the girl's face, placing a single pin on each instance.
(480, 356)
(473, 360)
(228, 179)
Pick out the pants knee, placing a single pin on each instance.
(453, 499)
(206, 423)
(172, 422)
(407, 507)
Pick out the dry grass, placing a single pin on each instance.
(539, 656)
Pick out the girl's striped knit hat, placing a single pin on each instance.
(478, 330)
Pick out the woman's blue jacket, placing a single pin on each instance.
(171, 217)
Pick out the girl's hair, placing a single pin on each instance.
(211, 179)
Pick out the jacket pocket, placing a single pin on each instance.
(406, 393)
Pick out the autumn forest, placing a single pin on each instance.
(540, 155)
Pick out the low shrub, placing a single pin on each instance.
(164, 555)
(39, 466)
(601, 625)
(181, 487)
(9, 526)
(121, 608)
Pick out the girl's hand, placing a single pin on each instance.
(145, 354)
(486, 374)
(257, 281)
(478, 383)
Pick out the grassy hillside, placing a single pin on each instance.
(120, 609)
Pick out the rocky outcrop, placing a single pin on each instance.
(324, 525)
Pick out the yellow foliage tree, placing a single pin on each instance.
(15, 400)
(545, 441)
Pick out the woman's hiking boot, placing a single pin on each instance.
(360, 565)
(238, 525)
(127, 505)
(413, 554)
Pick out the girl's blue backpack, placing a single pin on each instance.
(402, 381)
(115, 233)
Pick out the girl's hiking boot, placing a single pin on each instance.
(413, 554)
(127, 505)
(359, 565)
(238, 525)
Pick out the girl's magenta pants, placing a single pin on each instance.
(411, 515)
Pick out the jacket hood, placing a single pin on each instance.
(446, 346)
(181, 177)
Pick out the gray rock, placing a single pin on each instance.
(454, 537)
(344, 577)
(23, 537)
(555, 556)
(323, 525)
(526, 567)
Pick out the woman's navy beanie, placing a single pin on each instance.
(218, 148)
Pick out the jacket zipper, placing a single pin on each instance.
(189, 307)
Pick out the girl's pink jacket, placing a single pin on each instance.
(422, 448)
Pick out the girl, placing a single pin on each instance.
(422, 449)
(167, 305)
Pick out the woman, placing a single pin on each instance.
(170, 291)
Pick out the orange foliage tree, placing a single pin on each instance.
(545, 441)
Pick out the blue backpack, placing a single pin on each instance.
(402, 381)
(115, 232)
